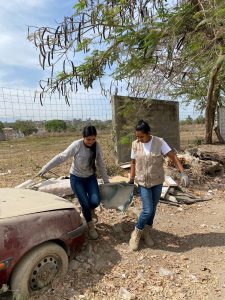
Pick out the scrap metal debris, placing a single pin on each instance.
(174, 195)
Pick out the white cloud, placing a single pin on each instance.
(14, 47)
(15, 50)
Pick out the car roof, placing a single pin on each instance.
(17, 202)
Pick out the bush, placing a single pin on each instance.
(55, 126)
(187, 121)
(199, 120)
(26, 127)
(1, 126)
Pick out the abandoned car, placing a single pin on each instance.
(38, 234)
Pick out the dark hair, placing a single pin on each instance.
(143, 127)
(88, 131)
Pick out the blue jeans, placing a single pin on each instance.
(150, 198)
(87, 192)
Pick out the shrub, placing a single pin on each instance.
(55, 126)
(199, 120)
(26, 127)
(187, 121)
(1, 126)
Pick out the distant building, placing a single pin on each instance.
(9, 133)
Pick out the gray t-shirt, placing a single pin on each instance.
(81, 166)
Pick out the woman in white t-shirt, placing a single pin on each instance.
(147, 157)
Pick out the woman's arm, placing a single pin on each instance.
(132, 171)
(172, 156)
(60, 158)
(184, 178)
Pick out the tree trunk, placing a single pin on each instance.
(212, 97)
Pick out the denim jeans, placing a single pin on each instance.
(150, 198)
(87, 192)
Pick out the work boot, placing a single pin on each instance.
(135, 239)
(147, 236)
(94, 216)
(92, 233)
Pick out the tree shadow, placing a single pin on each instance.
(174, 243)
(120, 233)
(86, 268)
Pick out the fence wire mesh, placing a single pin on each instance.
(25, 105)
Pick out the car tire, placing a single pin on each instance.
(37, 269)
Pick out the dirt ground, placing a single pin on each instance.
(187, 261)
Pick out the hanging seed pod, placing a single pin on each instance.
(64, 67)
(52, 52)
(40, 84)
(42, 50)
(40, 97)
(43, 33)
(73, 68)
(48, 41)
(65, 35)
(103, 32)
(49, 58)
(79, 33)
(62, 91)
(42, 61)
(72, 25)
(83, 19)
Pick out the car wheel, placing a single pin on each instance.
(38, 268)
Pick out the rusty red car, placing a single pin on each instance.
(38, 234)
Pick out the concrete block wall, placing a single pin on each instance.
(162, 116)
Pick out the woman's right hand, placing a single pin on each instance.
(41, 173)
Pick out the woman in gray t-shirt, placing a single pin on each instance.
(85, 152)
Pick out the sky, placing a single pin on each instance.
(18, 57)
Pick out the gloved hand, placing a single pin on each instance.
(131, 181)
(184, 179)
(41, 173)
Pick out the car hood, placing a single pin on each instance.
(16, 202)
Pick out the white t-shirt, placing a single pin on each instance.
(147, 148)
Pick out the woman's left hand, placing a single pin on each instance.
(184, 179)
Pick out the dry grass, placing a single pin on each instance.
(21, 159)
(193, 135)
